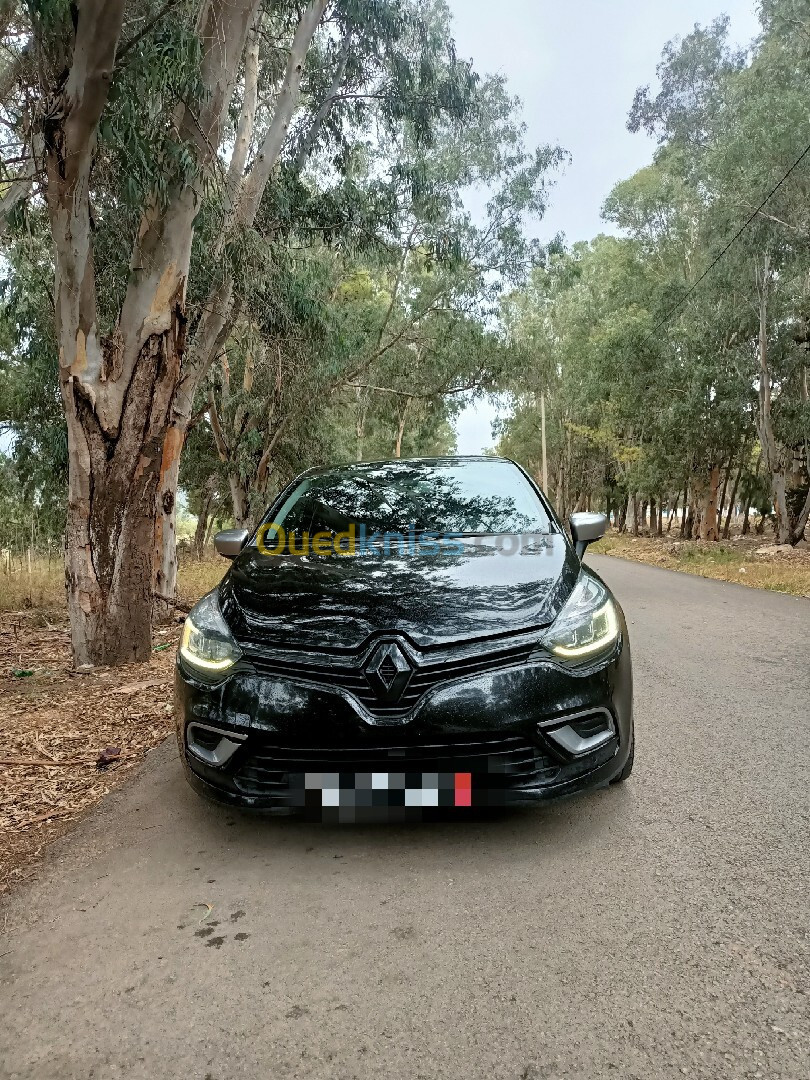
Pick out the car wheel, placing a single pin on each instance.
(628, 768)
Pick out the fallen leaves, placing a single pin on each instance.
(108, 756)
(133, 688)
(68, 737)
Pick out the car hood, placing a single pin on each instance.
(336, 602)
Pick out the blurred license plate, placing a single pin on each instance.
(391, 789)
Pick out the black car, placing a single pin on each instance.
(404, 635)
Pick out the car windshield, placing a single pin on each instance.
(454, 497)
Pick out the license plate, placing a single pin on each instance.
(384, 789)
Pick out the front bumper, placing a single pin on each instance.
(504, 727)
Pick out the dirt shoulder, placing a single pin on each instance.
(747, 560)
(68, 738)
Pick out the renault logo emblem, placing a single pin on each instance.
(388, 672)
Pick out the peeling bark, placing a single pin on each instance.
(117, 390)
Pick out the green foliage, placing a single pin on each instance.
(650, 383)
(365, 295)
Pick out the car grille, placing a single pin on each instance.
(510, 761)
(425, 676)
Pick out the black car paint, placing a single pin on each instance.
(447, 608)
(340, 601)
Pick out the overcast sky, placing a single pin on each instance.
(576, 65)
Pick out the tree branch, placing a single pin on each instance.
(286, 101)
(133, 41)
(247, 118)
(216, 427)
(308, 141)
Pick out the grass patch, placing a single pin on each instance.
(40, 584)
(738, 562)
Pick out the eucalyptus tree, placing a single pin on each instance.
(401, 317)
(120, 355)
(702, 404)
(688, 346)
(370, 69)
(164, 126)
(737, 131)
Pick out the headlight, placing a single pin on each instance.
(207, 644)
(587, 625)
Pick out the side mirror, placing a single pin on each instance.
(585, 529)
(230, 542)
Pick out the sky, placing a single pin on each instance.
(576, 66)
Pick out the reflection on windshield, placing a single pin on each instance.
(467, 498)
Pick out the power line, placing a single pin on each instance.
(729, 245)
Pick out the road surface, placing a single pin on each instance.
(656, 930)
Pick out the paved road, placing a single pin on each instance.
(660, 930)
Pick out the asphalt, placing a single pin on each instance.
(654, 930)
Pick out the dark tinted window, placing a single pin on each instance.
(473, 497)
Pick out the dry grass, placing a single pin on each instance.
(40, 584)
(195, 579)
(735, 560)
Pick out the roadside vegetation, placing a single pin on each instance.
(671, 360)
(244, 254)
(750, 563)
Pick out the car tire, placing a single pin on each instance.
(628, 766)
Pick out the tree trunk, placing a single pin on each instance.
(791, 516)
(567, 473)
(114, 392)
(696, 519)
(117, 391)
(212, 521)
(621, 522)
(734, 489)
(360, 429)
(239, 500)
(688, 525)
(243, 197)
(110, 524)
(636, 516)
(708, 515)
(559, 501)
(746, 525)
(722, 502)
(206, 500)
(673, 512)
(164, 547)
(653, 516)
